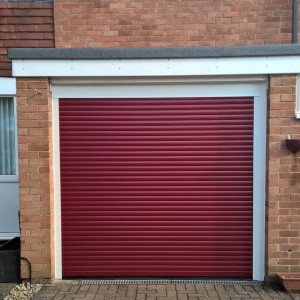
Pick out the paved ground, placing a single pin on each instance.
(72, 290)
(5, 288)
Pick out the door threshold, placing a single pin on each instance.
(172, 281)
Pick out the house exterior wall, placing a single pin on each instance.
(283, 187)
(24, 24)
(158, 23)
(36, 176)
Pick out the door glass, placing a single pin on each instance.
(7, 137)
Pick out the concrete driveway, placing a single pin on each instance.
(73, 290)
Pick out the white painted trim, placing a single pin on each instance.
(9, 178)
(257, 90)
(57, 190)
(9, 235)
(259, 183)
(65, 81)
(298, 98)
(153, 91)
(16, 138)
(156, 67)
(15, 177)
(8, 87)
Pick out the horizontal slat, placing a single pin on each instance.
(141, 174)
(152, 128)
(138, 131)
(189, 149)
(205, 165)
(158, 226)
(177, 235)
(176, 199)
(69, 115)
(220, 214)
(180, 159)
(71, 232)
(165, 264)
(246, 273)
(149, 219)
(173, 191)
(161, 178)
(212, 138)
(242, 188)
(205, 240)
(156, 268)
(163, 123)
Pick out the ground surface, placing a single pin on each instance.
(5, 288)
(72, 290)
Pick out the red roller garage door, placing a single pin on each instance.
(156, 187)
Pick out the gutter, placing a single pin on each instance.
(295, 22)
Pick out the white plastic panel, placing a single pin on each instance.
(9, 212)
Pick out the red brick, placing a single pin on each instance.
(25, 25)
(35, 173)
(154, 23)
(282, 99)
(268, 25)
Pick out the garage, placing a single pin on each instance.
(157, 186)
(132, 185)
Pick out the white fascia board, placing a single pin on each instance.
(7, 86)
(157, 67)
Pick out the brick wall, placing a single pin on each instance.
(36, 195)
(24, 24)
(141, 23)
(156, 23)
(283, 206)
(35, 170)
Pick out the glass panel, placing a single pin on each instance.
(7, 137)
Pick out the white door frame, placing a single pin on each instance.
(9, 184)
(155, 88)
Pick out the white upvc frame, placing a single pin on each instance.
(8, 89)
(57, 190)
(256, 88)
(298, 98)
(262, 65)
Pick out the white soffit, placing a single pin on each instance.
(157, 67)
(7, 86)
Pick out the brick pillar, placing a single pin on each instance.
(283, 189)
(35, 169)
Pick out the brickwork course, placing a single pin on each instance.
(36, 185)
(129, 23)
(35, 171)
(24, 24)
(283, 188)
(73, 290)
(143, 23)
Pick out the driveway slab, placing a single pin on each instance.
(73, 290)
(5, 288)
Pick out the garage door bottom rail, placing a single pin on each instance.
(171, 281)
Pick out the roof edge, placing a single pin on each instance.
(154, 53)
